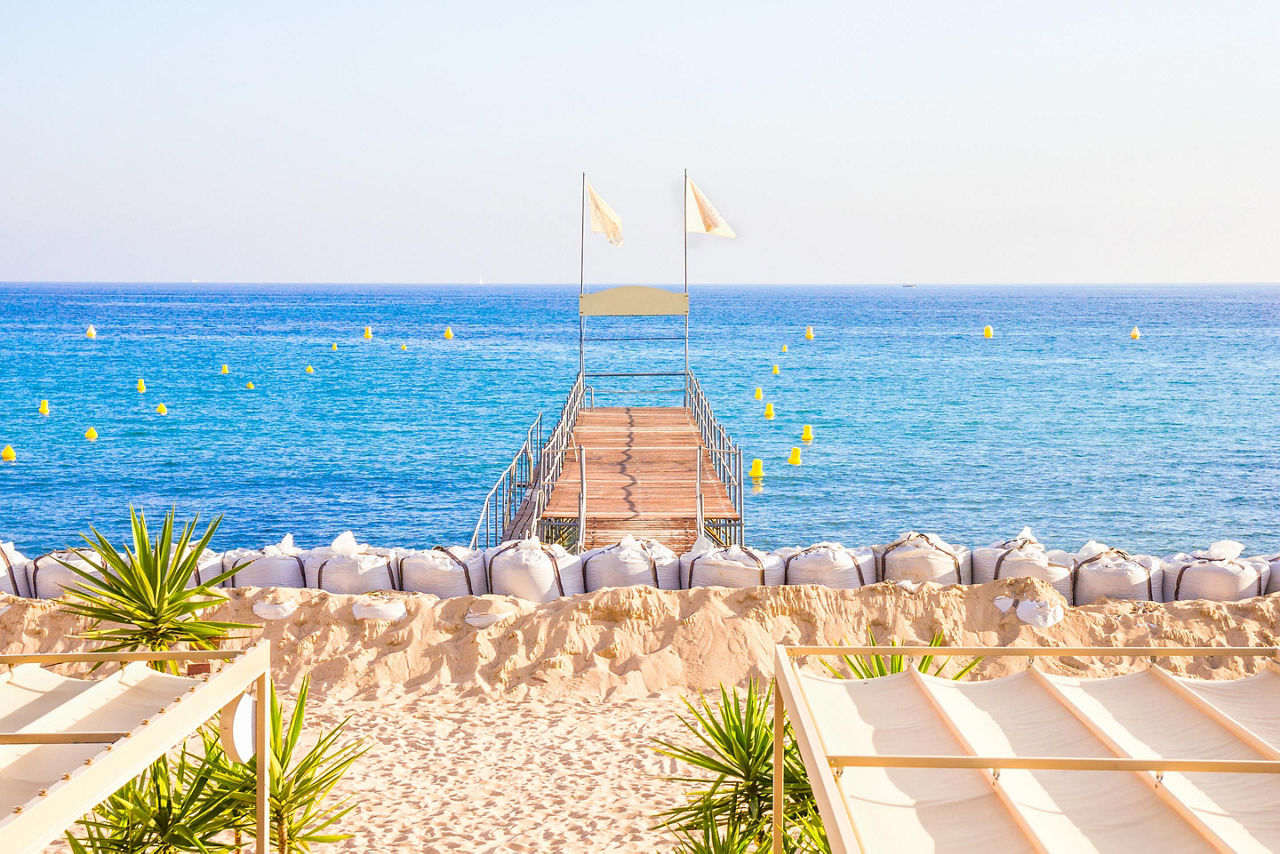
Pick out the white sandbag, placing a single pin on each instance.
(1022, 557)
(1217, 573)
(444, 572)
(828, 564)
(13, 571)
(385, 610)
(632, 562)
(533, 571)
(923, 557)
(1273, 563)
(735, 566)
(274, 610)
(1098, 571)
(273, 566)
(208, 565)
(49, 577)
(360, 573)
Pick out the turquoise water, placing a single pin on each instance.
(1060, 422)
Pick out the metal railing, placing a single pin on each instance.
(525, 484)
(524, 487)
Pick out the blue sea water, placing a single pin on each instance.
(1060, 422)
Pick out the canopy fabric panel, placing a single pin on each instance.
(1149, 714)
(66, 744)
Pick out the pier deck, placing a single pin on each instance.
(642, 477)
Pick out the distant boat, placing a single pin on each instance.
(908, 286)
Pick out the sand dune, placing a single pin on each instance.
(534, 733)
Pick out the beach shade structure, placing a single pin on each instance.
(1148, 761)
(346, 566)
(1022, 557)
(632, 562)
(67, 744)
(271, 566)
(1217, 573)
(828, 564)
(13, 571)
(1099, 571)
(50, 575)
(917, 558)
(445, 571)
(708, 565)
(532, 570)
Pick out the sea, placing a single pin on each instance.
(1060, 421)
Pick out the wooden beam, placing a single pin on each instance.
(1209, 710)
(87, 737)
(1055, 763)
(1045, 651)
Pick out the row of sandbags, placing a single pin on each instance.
(539, 572)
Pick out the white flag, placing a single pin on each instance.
(700, 216)
(604, 220)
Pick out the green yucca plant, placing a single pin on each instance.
(871, 665)
(142, 600)
(733, 750)
(301, 781)
(176, 805)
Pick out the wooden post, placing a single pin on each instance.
(779, 755)
(262, 749)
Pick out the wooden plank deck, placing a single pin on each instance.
(641, 476)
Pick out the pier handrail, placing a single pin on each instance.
(524, 487)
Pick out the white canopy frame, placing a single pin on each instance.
(82, 782)
(1210, 828)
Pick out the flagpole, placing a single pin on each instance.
(582, 260)
(684, 228)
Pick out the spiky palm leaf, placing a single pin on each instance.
(174, 806)
(301, 782)
(873, 665)
(141, 600)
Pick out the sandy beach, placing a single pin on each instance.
(536, 733)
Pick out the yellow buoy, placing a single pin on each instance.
(757, 468)
(334, 347)
(8, 454)
(775, 369)
(808, 333)
(404, 347)
(43, 408)
(162, 410)
(1135, 334)
(91, 332)
(142, 387)
(310, 369)
(368, 332)
(987, 332)
(249, 386)
(448, 333)
(784, 348)
(768, 411)
(794, 459)
(759, 393)
(225, 369)
(806, 435)
(91, 434)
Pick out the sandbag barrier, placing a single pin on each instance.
(1123, 575)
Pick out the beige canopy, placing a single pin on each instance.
(66, 744)
(1035, 762)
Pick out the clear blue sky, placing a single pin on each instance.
(845, 142)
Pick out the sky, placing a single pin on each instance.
(845, 142)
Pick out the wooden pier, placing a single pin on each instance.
(666, 473)
(644, 470)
